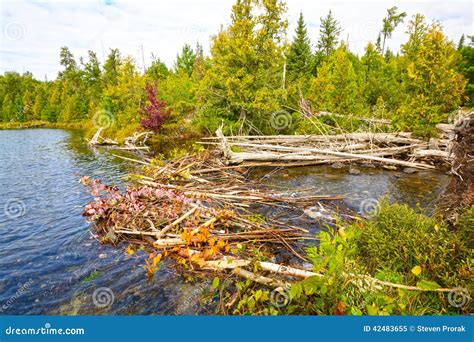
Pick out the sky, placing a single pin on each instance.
(33, 31)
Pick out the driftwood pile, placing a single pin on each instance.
(132, 143)
(97, 139)
(201, 210)
(401, 149)
(460, 191)
(201, 213)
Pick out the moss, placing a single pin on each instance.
(94, 274)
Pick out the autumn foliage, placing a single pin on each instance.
(155, 112)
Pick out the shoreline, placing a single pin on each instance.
(42, 124)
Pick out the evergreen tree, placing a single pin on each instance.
(299, 59)
(92, 71)
(433, 86)
(380, 78)
(68, 62)
(185, 61)
(329, 36)
(416, 31)
(335, 88)
(157, 70)
(461, 42)
(467, 69)
(199, 67)
(111, 65)
(243, 83)
(390, 22)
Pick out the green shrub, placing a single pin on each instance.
(397, 245)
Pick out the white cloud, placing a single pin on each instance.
(33, 31)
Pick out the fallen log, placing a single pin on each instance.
(431, 153)
(361, 280)
(369, 120)
(394, 138)
(97, 139)
(239, 157)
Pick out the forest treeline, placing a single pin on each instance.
(254, 73)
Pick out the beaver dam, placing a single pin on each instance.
(206, 213)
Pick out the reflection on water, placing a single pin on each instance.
(420, 189)
(49, 262)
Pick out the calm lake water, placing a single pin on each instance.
(51, 264)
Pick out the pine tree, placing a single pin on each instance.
(461, 42)
(335, 88)
(433, 86)
(243, 83)
(185, 61)
(68, 62)
(390, 22)
(379, 78)
(157, 70)
(299, 59)
(329, 36)
(111, 65)
(416, 31)
(378, 43)
(467, 69)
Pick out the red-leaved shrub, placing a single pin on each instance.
(155, 112)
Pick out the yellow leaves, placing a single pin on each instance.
(342, 232)
(151, 264)
(156, 260)
(411, 70)
(197, 259)
(186, 236)
(186, 174)
(416, 270)
(130, 250)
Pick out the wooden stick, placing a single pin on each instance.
(259, 279)
(130, 159)
(175, 222)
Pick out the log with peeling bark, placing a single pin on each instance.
(97, 139)
(431, 153)
(400, 149)
(394, 138)
(137, 140)
(361, 280)
(299, 153)
(369, 120)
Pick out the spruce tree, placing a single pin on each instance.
(299, 59)
(467, 69)
(185, 61)
(329, 36)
